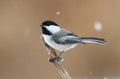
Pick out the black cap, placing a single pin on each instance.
(48, 23)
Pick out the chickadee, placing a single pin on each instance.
(62, 39)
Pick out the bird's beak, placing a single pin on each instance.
(40, 25)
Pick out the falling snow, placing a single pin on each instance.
(98, 26)
(105, 77)
(57, 13)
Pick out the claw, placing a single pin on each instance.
(58, 58)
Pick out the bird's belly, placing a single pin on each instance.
(59, 47)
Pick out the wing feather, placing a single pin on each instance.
(68, 39)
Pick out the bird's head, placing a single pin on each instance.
(49, 27)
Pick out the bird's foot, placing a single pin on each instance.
(56, 58)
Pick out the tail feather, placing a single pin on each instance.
(93, 40)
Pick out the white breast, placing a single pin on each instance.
(59, 47)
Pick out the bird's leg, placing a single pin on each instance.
(61, 53)
(58, 58)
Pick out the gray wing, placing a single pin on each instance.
(69, 40)
(66, 37)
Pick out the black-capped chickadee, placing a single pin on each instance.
(62, 39)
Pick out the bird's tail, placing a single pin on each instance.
(92, 40)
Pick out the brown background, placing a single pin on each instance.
(22, 52)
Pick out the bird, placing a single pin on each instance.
(62, 39)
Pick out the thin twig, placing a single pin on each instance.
(58, 64)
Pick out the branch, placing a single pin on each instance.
(58, 64)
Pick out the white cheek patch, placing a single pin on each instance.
(53, 28)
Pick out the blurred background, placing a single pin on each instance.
(23, 54)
